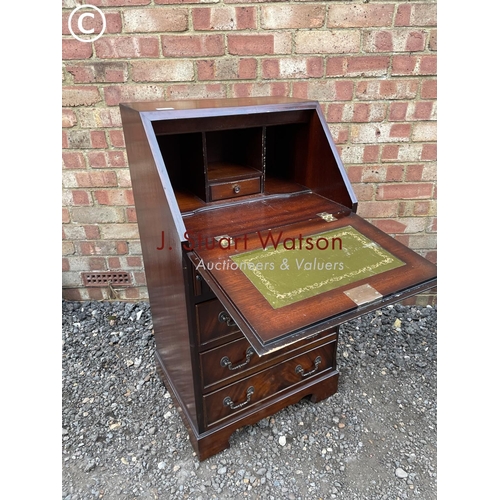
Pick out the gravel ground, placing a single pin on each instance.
(122, 437)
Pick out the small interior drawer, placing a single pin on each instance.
(213, 322)
(252, 390)
(233, 189)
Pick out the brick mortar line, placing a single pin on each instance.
(355, 79)
(256, 31)
(103, 106)
(230, 83)
(89, 61)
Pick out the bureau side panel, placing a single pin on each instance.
(163, 263)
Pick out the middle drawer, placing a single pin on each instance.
(237, 359)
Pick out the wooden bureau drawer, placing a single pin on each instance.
(212, 324)
(236, 359)
(201, 291)
(250, 391)
(233, 189)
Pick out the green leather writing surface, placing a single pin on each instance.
(297, 269)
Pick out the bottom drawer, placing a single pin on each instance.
(250, 391)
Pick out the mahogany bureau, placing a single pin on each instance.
(254, 255)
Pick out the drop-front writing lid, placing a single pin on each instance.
(286, 282)
(302, 267)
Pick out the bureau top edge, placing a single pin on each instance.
(164, 110)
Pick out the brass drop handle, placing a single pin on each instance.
(225, 362)
(299, 369)
(236, 188)
(229, 402)
(225, 318)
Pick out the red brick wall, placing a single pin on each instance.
(371, 65)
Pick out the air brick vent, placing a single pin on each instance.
(108, 277)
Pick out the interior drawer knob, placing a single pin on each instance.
(225, 362)
(236, 188)
(229, 402)
(299, 369)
